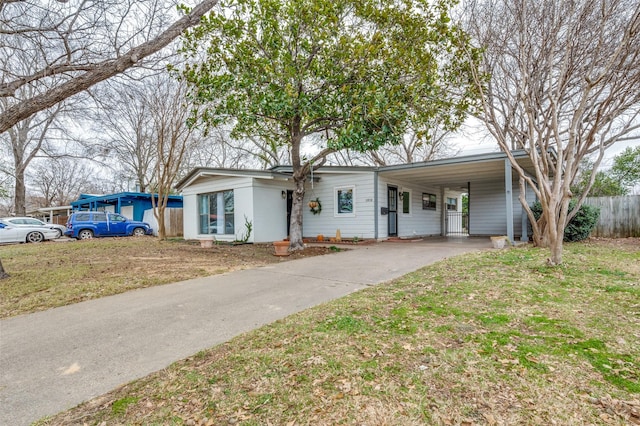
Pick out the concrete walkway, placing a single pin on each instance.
(56, 359)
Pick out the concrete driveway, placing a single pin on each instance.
(56, 359)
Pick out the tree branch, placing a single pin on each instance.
(28, 107)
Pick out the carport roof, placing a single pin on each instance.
(450, 172)
(87, 199)
(456, 172)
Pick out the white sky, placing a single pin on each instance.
(472, 138)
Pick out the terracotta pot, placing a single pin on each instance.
(281, 248)
(206, 242)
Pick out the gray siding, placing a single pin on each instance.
(487, 208)
(418, 222)
(360, 225)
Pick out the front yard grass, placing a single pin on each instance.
(52, 274)
(485, 339)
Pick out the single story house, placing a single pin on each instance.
(407, 200)
(131, 205)
(57, 215)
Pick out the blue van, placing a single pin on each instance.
(85, 225)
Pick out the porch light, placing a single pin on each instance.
(283, 194)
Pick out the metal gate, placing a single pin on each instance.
(457, 223)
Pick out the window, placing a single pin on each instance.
(83, 217)
(452, 203)
(406, 202)
(216, 213)
(117, 218)
(428, 201)
(344, 201)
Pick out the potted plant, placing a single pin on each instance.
(281, 248)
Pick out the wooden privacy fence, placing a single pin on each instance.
(173, 222)
(619, 216)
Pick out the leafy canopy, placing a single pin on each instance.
(619, 180)
(626, 167)
(355, 72)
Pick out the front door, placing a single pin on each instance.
(289, 206)
(392, 216)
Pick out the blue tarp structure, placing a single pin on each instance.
(140, 201)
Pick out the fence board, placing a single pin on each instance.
(173, 222)
(619, 216)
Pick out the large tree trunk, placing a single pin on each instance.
(556, 252)
(551, 226)
(3, 274)
(299, 176)
(162, 234)
(295, 226)
(19, 197)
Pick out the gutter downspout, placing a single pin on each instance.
(508, 191)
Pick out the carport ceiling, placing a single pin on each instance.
(452, 174)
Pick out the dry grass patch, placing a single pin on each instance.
(486, 339)
(54, 274)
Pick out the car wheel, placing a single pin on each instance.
(34, 237)
(138, 232)
(58, 233)
(85, 234)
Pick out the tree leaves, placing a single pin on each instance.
(356, 71)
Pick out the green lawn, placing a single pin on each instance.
(489, 338)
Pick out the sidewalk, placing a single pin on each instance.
(56, 359)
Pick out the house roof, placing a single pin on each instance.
(452, 172)
(200, 172)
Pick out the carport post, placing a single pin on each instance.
(524, 237)
(508, 191)
(375, 205)
(443, 212)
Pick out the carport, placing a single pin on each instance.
(489, 181)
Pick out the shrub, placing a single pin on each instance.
(580, 226)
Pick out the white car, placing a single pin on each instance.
(31, 222)
(25, 234)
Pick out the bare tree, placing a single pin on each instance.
(218, 149)
(123, 130)
(24, 141)
(560, 80)
(79, 44)
(415, 147)
(60, 181)
(76, 45)
(173, 137)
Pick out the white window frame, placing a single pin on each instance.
(208, 213)
(455, 199)
(337, 189)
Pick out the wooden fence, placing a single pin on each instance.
(173, 222)
(619, 216)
